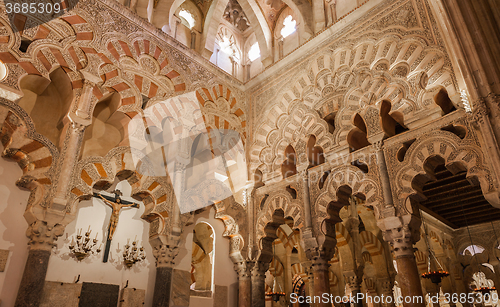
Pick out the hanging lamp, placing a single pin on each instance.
(275, 294)
(482, 290)
(435, 271)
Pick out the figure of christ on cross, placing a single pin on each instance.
(116, 204)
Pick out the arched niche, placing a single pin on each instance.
(357, 137)
(227, 51)
(254, 66)
(392, 122)
(188, 29)
(315, 153)
(285, 45)
(442, 99)
(108, 128)
(47, 102)
(203, 254)
(289, 165)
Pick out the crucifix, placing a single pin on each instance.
(116, 204)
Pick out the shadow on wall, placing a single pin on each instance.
(13, 229)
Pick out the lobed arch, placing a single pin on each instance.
(100, 173)
(343, 251)
(291, 128)
(373, 69)
(353, 178)
(214, 192)
(48, 102)
(35, 154)
(221, 109)
(144, 54)
(278, 201)
(457, 155)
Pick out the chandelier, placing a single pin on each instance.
(133, 254)
(275, 294)
(84, 245)
(435, 271)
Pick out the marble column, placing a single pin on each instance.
(258, 284)
(481, 119)
(163, 287)
(243, 269)
(386, 286)
(319, 268)
(42, 240)
(354, 284)
(408, 274)
(165, 255)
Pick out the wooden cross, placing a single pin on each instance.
(116, 204)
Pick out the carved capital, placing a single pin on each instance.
(43, 236)
(386, 285)
(165, 255)
(259, 270)
(244, 269)
(401, 240)
(353, 281)
(480, 112)
(320, 256)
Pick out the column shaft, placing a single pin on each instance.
(321, 280)
(163, 287)
(258, 284)
(245, 292)
(31, 289)
(409, 280)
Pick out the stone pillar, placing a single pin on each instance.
(481, 119)
(400, 232)
(319, 268)
(319, 257)
(244, 270)
(408, 274)
(42, 239)
(354, 283)
(386, 286)
(384, 174)
(258, 284)
(165, 255)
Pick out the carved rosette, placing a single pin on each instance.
(43, 236)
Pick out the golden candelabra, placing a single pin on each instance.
(133, 254)
(84, 245)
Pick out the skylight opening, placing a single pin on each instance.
(254, 52)
(289, 26)
(188, 17)
(225, 46)
(472, 250)
(3, 70)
